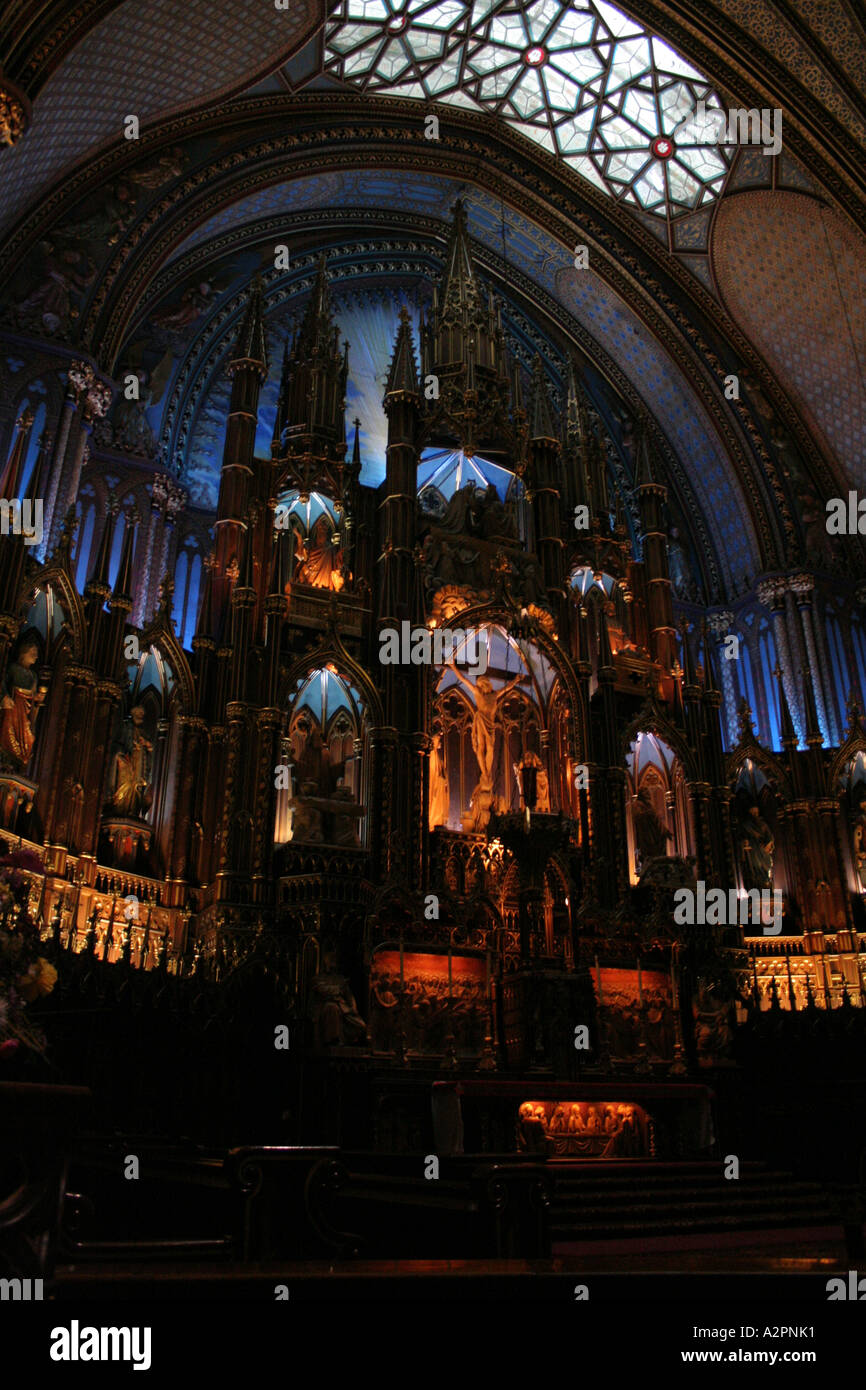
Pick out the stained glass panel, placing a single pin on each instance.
(575, 78)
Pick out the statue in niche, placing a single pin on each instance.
(757, 846)
(474, 511)
(307, 819)
(496, 520)
(533, 589)
(132, 431)
(457, 520)
(307, 750)
(440, 795)
(131, 792)
(533, 784)
(344, 821)
(487, 703)
(651, 835)
(319, 562)
(334, 1013)
(20, 705)
(682, 579)
(659, 1024)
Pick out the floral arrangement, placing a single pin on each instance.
(25, 975)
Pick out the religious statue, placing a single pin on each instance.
(131, 792)
(650, 832)
(682, 581)
(529, 581)
(487, 702)
(496, 521)
(319, 561)
(457, 519)
(334, 1013)
(533, 784)
(659, 1025)
(756, 850)
(531, 1128)
(132, 430)
(440, 795)
(307, 819)
(307, 750)
(20, 703)
(345, 821)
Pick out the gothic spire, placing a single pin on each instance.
(356, 449)
(403, 371)
(576, 423)
(316, 332)
(643, 469)
(540, 419)
(123, 586)
(459, 286)
(98, 576)
(251, 348)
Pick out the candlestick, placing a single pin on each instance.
(487, 975)
(639, 982)
(598, 982)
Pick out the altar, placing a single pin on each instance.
(568, 1120)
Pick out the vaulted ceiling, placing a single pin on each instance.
(139, 252)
